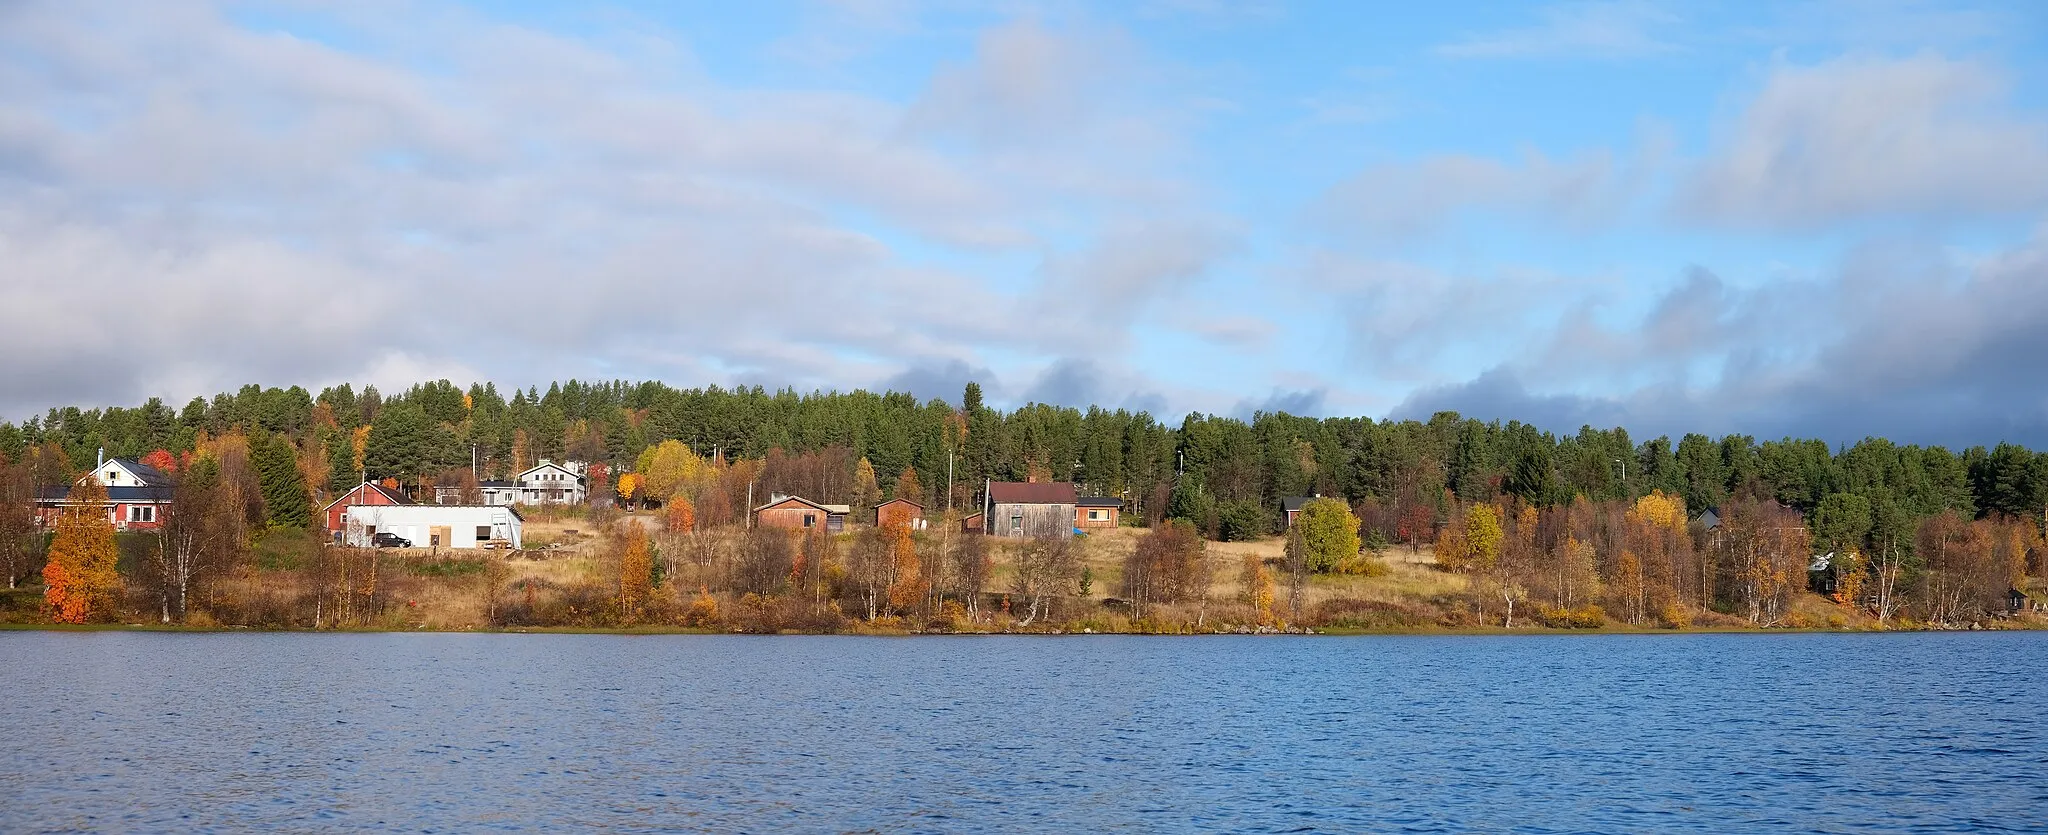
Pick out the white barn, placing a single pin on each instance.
(434, 525)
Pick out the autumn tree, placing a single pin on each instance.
(1329, 532)
(671, 469)
(1295, 556)
(681, 515)
(200, 538)
(629, 487)
(636, 573)
(1769, 550)
(20, 546)
(866, 492)
(1169, 565)
(80, 584)
(1256, 587)
(972, 569)
(1047, 567)
(907, 487)
(907, 584)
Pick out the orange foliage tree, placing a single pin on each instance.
(682, 516)
(80, 582)
(909, 585)
(636, 572)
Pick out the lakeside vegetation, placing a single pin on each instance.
(1449, 524)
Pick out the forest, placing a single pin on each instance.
(1451, 522)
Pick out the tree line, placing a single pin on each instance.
(1592, 518)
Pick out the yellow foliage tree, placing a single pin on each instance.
(358, 441)
(636, 572)
(629, 484)
(1258, 587)
(670, 469)
(80, 582)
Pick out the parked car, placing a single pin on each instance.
(387, 539)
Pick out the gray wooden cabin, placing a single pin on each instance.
(1020, 509)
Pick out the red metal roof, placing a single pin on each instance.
(1018, 492)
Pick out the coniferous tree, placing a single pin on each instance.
(286, 503)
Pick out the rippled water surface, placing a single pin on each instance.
(1735, 733)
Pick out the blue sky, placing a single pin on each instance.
(1819, 219)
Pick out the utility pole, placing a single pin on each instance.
(750, 504)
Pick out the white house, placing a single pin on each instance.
(546, 483)
(434, 525)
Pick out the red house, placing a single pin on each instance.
(1097, 511)
(366, 493)
(138, 495)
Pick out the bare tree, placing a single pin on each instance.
(972, 567)
(1046, 567)
(19, 546)
(202, 535)
(1296, 561)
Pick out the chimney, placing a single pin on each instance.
(100, 459)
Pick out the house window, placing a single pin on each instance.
(1097, 515)
(810, 519)
(1017, 523)
(141, 513)
(434, 539)
(369, 530)
(483, 532)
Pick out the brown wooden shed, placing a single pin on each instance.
(900, 512)
(797, 513)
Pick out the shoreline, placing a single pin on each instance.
(1268, 633)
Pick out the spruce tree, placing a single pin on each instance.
(286, 503)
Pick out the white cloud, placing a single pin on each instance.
(1858, 137)
(270, 207)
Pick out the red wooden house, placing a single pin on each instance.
(366, 493)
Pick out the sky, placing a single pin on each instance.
(1818, 219)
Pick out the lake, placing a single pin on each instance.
(448, 732)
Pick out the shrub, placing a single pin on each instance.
(1367, 614)
(1588, 616)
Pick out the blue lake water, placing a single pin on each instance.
(1731, 733)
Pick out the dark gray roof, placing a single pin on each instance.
(1099, 501)
(52, 495)
(1291, 504)
(150, 476)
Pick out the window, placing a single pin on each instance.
(483, 532)
(1017, 523)
(434, 540)
(113, 477)
(369, 530)
(141, 513)
(810, 519)
(1096, 514)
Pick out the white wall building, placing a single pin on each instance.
(432, 525)
(547, 483)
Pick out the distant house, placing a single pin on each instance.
(544, 483)
(972, 523)
(434, 526)
(138, 495)
(1030, 509)
(900, 512)
(1097, 511)
(1709, 519)
(1292, 506)
(799, 513)
(369, 494)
